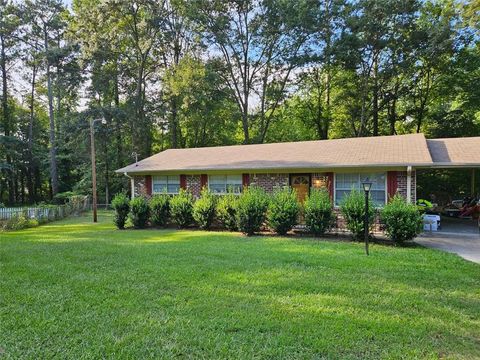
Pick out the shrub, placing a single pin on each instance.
(181, 209)
(121, 205)
(283, 210)
(318, 211)
(227, 211)
(402, 221)
(251, 210)
(159, 209)
(353, 211)
(139, 212)
(204, 209)
(19, 222)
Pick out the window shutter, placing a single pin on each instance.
(148, 184)
(183, 182)
(203, 180)
(330, 184)
(245, 180)
(392, 185)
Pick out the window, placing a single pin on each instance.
(345, 182)
(220, 184)
(166, 184)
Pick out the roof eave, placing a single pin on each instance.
(139, 170)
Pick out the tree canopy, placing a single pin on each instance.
(193, 73)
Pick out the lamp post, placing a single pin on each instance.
(94, 169)
(366, 188)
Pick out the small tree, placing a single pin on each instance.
(251, 210)
(204, 209)
(283, 210)
(402, 221)
(353, 211)
(181, 208)
(159, 209)
(227, 211)
(318, 211)
(139, 212)
(120, 204)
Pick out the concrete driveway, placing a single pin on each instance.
(457, 236)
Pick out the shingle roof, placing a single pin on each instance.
(455, 151)
(399, 150)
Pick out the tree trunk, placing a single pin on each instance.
(118, 124)
(375, 99)
(174, 122)
(246, 136)
(31, 163)
(6, 120)
(53, 149)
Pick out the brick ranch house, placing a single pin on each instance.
(389, 162)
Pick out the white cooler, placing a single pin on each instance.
(431, 222)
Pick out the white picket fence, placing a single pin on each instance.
(50, 212)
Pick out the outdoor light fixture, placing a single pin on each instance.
(317, 183)
(367, 185)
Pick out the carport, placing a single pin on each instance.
(453, 176)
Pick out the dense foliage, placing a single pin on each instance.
(353, 211)
(204, 209)
(139, 212)
(307, 70)
(402, 220)
(18, 222)
(251, 210)
(159, 209)
(227, 211)
(121, 206)
(181, 209)
(318, 211)
(283, 210)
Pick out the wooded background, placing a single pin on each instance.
(190, 73)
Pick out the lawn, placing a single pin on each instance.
(73, 289)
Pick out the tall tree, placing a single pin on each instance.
(47, 22)
(374, 32)
(9, 26)
(261, 43)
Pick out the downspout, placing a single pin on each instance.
(409, 184)
(132, 184)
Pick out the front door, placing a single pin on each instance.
(301, 184)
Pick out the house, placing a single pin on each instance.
(389, 162)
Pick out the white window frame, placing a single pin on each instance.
(360, 189)
(226, 184)
(165, 192)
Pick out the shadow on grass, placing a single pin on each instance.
(248, 295)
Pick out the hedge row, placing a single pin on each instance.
(249, 211)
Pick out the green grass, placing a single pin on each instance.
(72, 289)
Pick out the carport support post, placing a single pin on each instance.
(409, 184)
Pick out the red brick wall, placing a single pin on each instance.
(269, 182)
(402, 184)
(140, 186)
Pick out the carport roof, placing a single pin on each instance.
(382, 151)
(455, 151)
